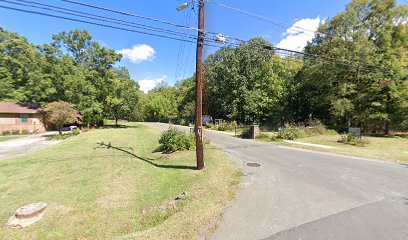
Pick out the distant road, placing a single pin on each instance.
(306, 195)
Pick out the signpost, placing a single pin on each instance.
(356, 131)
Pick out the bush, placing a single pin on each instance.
(16, 132)
(292, 132)
(76, 131)
(60, 136)
(228, 126)
(353, 140)
(173, 140)
(184, 122)
(25, 131)
(6, 132)
(246, 133)
(267, 137)
(210, 126)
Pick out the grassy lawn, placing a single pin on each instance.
(108, 183)
(387, 148)
(6, 138)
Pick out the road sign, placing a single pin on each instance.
(356, 131)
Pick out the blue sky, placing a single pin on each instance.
(151, 59)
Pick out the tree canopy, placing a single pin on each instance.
(73, 68)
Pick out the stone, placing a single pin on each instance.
(181, 196)
(27, 215)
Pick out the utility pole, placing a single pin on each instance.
(199, 88)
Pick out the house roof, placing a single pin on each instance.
(11, 107)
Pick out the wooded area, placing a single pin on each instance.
(353, 73)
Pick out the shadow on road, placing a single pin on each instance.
(148, 160)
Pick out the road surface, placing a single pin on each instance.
(300, 194)
(25, 145)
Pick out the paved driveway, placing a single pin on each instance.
(25, 145)
(300, 194)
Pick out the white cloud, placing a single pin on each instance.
(296, 37)
(148, 84)
(138, 53)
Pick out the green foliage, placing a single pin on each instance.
(6, 132)
(353, 140)
(60, 136)
(73, 68)
(61, 113)
(25, 132)
(246, 133)
(211, 126)
(15, 132)
(76, 131)
(370, 89)
(228, 126)
(246, 83)
(173, 140)
(292, 132)
(267, 137)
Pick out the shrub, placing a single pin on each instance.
(267, 137)
(228, 126)
(76, 131)
(353, 140)
(292, 132)
(25, 131)
(246, 133)
(210, 126)
(6, 132)
(173, 140)
(183, 122)
(60, 136)
(16, 132)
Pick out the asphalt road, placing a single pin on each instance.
(302, 195)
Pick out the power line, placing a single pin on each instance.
(189, 49)
(91, 16)
(337, 61)
(180, 51)
(129, 14)
(265, 19)
(284, 54)
(103, 25)
(174, 38)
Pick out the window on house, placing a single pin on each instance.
(24, 118)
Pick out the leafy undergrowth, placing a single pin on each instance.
(102, 185)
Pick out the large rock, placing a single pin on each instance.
(27, 215)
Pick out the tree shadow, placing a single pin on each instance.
(404, 164)
(147, 160)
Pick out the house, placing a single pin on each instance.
(20, 116)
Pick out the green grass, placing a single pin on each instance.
(6, 138)
(105, 183)
(386, 148)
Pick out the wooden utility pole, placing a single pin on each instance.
(199, 89)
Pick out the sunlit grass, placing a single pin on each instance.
(103, 184)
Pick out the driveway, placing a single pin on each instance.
(301, 194)
(25, 145)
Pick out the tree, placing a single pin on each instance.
(367, 39)
(61, 113)
(247, 83)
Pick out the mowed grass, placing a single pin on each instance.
(7, 138)
(386, 148)
(107, 184)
